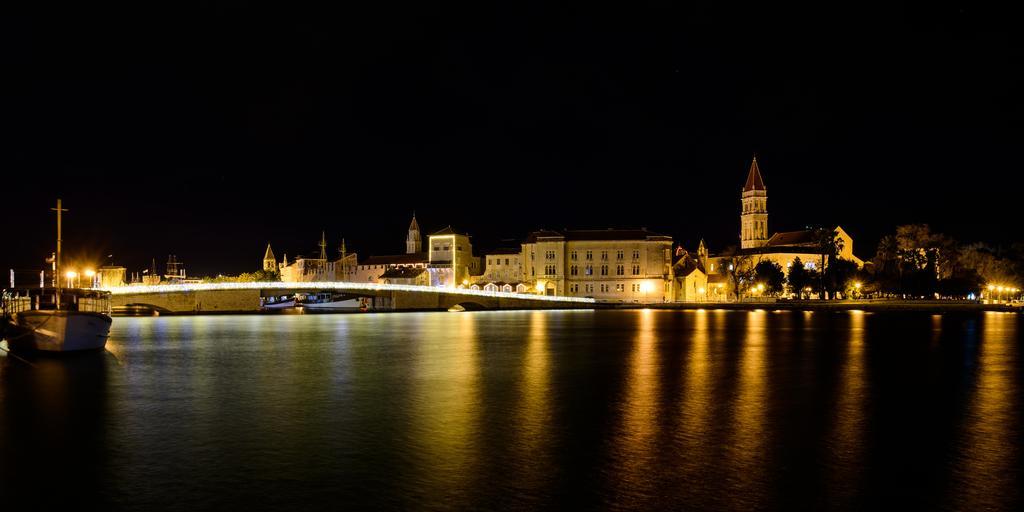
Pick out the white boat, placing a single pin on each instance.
(34, 324)
(57, 319)
(327, 301)
(270, 303)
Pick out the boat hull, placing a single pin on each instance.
(58, 331)
(334, 305)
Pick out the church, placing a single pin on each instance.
(756, 245)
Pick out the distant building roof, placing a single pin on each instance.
(754, 181)
(414, 226)
(579, 235)
(504, 251)
(802, 237)
(397, 259)
(269, 255)
(448, 231)
(402, 273)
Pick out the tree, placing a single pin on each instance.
(840, 276)
(829, 245)
(770, 275)
(737, 267)
(799, 277)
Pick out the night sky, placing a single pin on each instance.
(207, 131)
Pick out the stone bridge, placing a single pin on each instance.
(242, 297)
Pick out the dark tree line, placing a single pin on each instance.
(916, 262)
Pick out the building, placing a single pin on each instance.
(451, 259)
(502, 271)
(756, 246)
(109, 276)
(318, 269)
(269, 261)
(372, 269)
(413, 240)
(689, 278)
(615, 265)
(417, 276)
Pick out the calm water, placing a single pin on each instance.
(523, 410)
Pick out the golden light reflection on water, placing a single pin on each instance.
(847, 443)
(747, 448)
(695, 404)
(536, 407)
(533, 418)
(446, 401)
(986, 462)
(634, 445)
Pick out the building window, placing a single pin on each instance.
(619, 287)
(604, 255)
(549, 255)
(572, 270)
(636, 254)
(636, 270)
(604, 270)
(572, 256)
(590, 255)
(620, 254)
(590, 270)
(620, 270)
(506, 261)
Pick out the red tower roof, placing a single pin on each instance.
(754, 181)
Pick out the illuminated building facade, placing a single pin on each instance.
(451, 260)
(616, 265)
(319, 269)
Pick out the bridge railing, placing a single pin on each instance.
(338, 286)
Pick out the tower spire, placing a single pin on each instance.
(323, 245)
(413, 240)
(754, 181)
(269, 261)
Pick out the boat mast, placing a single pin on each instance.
(56, 277)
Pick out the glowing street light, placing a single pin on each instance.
(71, 275)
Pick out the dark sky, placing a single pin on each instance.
(206, 131)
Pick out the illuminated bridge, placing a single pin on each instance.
(237, 297)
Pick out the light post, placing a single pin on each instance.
(91, 274)
(71, 275)
(856, 288)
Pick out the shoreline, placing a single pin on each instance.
(936, 306)
(806, 305)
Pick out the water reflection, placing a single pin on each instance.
(846, 446)
(746, 452)
(634, 446)
(52, 422)
(533, 418)
(446, 399)
(990, 452)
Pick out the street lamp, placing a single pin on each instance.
(71, 275)
(91, 274)
(856, 287)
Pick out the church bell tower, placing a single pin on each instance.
(413, 241)
(754, 216)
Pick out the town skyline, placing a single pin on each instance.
(372, 236)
